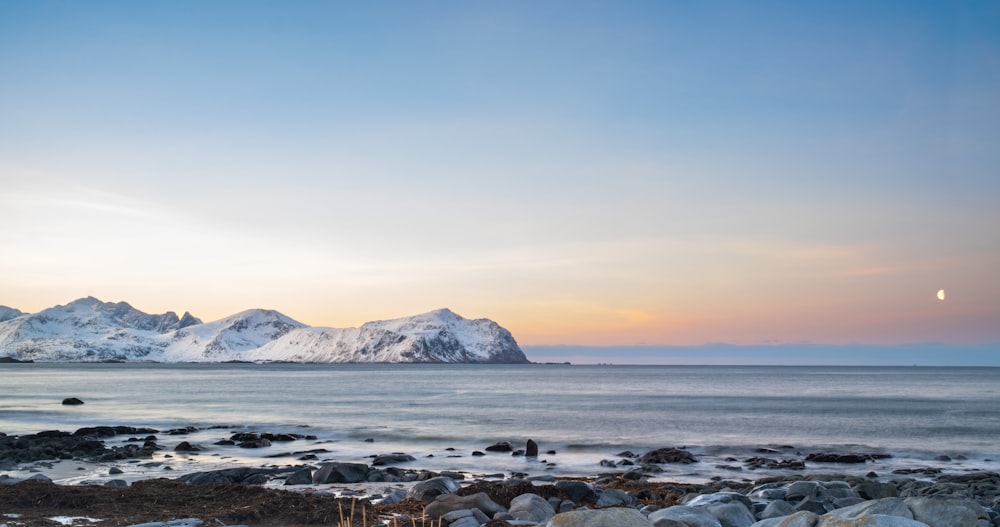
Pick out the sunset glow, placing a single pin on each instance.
(645, 173)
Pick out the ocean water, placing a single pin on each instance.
(441, 413)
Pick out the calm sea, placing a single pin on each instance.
(584, 413)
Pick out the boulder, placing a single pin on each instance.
(446, 503)
(388, 459)
(873, 490)
(239, 476)
(668, 455)
(702, 500)
(341, 473)
(803, 489)
(72, 401)
(882, 507)
(870, 520)
(531, 507)
(937, 512)
(503, 446)
(618, 517)
(777, 509)
(300, 477)
(615, 498)
(689, 516)
(577, 491)
(531, 448)
(733, 514)
(184, 446)
(799, 519)
(430, 489)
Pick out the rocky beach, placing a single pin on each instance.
(158, 478)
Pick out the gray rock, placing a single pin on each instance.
(430, 489)
(480, 516)
(702, 500)
(802, 489)
(394, 497)
(873, 490)
(870, 520)
(117, 483)
(615, 498)
(467, 521)
(840, 503)
(813, 505)
(882, 507)
(732, 514)
(531, 507)
(341, 473)
(799, 519)
(300, 477)
(457, 515)
(776, 509)
(577, 491)
(445, 503)
(946, 513)
(619, 517)
(690, 516)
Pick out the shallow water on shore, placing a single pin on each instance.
(585, 413)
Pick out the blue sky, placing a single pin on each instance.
(666, 173)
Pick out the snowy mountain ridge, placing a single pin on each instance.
(91, 330)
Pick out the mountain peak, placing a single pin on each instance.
(88, 329)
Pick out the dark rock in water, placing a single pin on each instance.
(244, 436)
(531, 448)
(668, 455)
(387, 459)
(843, 458)
(115, 470)
(503, 446)
(341, 473)
(111, 431)
(279, 438)
(766, 462)
(72, 401)
(184, 446)
(255, 443)
(477, 453)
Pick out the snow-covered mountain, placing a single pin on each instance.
(90, 330)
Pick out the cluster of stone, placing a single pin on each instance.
(803, 503)
(84, 444)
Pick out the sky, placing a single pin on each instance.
(584, 173)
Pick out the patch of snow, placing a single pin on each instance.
(91, 330)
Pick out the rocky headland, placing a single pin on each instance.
(389, 490)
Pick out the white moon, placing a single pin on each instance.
(941, 294)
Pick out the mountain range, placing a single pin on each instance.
(91, 330)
